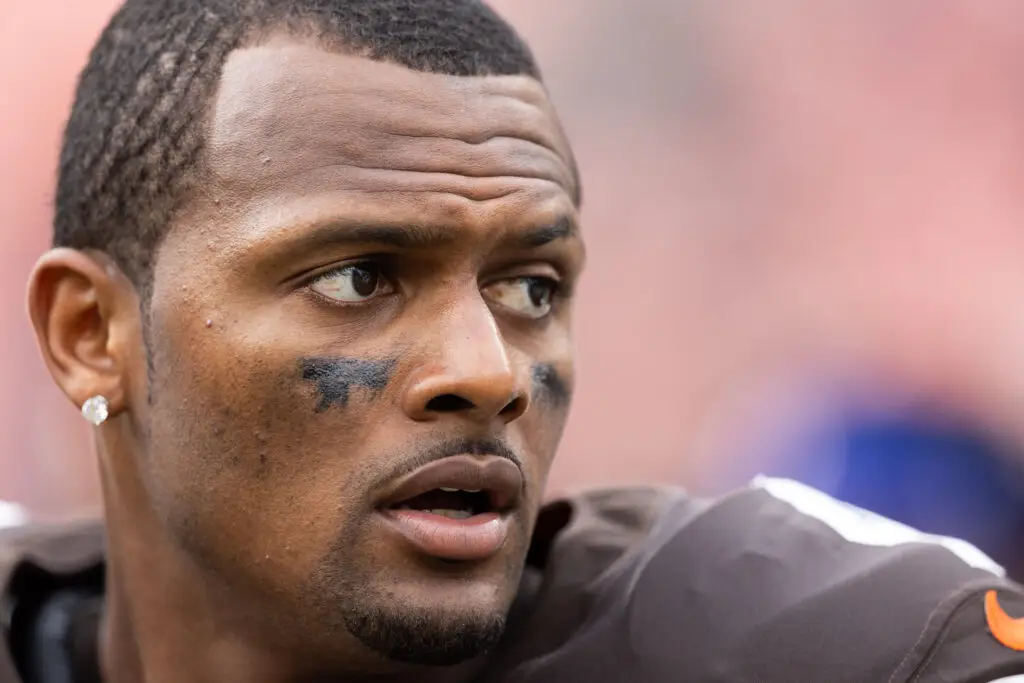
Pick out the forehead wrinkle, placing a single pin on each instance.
(352, 186)
(498, 158)
(477, 118)
(273, 158)
(269, 107)
(419, 191)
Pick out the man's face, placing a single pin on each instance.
(375, 279)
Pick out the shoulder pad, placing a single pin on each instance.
(780, 583)
(36, 557)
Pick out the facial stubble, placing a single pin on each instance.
(364, 601)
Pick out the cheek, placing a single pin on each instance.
(241, 466)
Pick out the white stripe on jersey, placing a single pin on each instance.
(867, 528)
(11, 514)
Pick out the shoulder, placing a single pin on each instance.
(54, 550)
(37, 561)
(780, 582)
(67, 543)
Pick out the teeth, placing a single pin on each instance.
(452, 514)
(448, 490)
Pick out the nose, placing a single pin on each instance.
(472, 376)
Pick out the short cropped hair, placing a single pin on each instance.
(133, 146)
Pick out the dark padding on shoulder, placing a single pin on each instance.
(754, 590)
(32, 553)
(61, 548)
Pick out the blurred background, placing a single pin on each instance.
(806, 249)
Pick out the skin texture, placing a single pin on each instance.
(249, 443)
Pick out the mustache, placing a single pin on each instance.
(405, 465)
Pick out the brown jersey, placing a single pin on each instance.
(776, 583)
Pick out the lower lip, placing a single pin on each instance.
(473, 538)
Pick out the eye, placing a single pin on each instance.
(353, 283)
(529, 296)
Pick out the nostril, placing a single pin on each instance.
(449, 403)
(513, 406)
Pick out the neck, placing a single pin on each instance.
(162, 621)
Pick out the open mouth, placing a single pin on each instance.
(458, 487)
(449, 502)
(459, 508)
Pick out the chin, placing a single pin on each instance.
(416, 610)
(419, 624)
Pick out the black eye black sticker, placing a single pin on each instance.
(335, 378)
(549, 385)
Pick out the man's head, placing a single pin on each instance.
(309, 248)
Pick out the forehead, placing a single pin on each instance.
(292, 120)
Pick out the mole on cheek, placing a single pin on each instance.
(549, 385)
(336, 377)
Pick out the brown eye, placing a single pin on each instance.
(540, 292)
(352, 284)
(528, 296)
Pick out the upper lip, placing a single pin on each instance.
(496, 476)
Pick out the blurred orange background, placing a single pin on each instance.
(784, 203)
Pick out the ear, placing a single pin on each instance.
(86, 317)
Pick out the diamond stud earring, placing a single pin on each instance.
(96, 409)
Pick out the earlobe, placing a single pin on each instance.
(80, 305)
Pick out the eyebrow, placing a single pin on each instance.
(406, 237)
(564, 227)
(424, 237)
